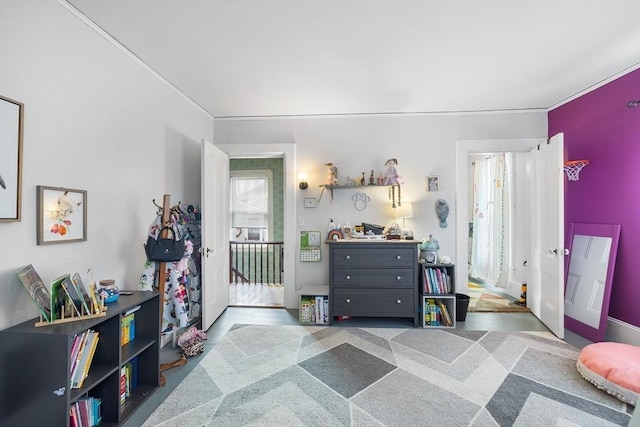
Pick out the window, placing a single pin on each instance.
(251, 204)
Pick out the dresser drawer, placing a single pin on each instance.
(374, 277)
(373, 302)
(374, 257)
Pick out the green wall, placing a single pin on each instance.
(276, 165)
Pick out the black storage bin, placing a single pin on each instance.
(462, 305)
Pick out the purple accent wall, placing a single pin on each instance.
(599, 127)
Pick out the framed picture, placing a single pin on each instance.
(433, 183)
(11, 123)
(62, 215)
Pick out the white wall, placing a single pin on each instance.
(94, 120)
(423, 144)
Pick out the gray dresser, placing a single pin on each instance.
(374, 279)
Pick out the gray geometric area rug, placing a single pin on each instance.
(261, 375)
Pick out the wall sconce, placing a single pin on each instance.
(303, 184)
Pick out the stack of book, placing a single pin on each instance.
(436, 313)
(69, 297)
(128, 326)
(82, 350)
(436, 281)
(128, 379)
(314, 309)
(86, 412)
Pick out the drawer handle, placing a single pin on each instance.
(348, 277)
(348, 299)
(348, 257)
(398, 257)
(399, 277)
(399, 301)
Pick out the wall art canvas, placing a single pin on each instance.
(11, 122)
(62, 215)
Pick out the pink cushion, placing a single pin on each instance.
(613, 367)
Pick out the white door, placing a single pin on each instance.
(545, 290)
(215, 231)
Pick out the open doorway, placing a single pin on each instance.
(493, 242)
(466, 152)
(256, 232)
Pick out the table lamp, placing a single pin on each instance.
(404, 211)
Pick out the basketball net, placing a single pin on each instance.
(572, 168)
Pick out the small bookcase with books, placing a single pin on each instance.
(314, 305)
(38, 386)
(438, 296)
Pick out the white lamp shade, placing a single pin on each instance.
(405, 210)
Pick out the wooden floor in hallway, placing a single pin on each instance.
(256, 295)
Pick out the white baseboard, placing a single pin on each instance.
(619, 331)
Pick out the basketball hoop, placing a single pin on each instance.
(572, 168)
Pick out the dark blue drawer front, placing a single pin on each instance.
(374, 277)
(378, 257)
(376, 303)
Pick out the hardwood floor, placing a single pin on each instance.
(256, 295)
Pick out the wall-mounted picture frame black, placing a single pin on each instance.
(11, 135)
(62, 215)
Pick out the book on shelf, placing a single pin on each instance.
(127, 328)
(326, 310)
(74, 416)
(59, 302)
(444, 311)
(37, 290)
(123, 385)
(319, 309)
(92, 351)
(76, 354)
(73, 300)
(305, 309)
(87, 304)
(134, 373)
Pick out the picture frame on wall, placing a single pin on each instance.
(11, 126)
(62, 215)
(433, 183)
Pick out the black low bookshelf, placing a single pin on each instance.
(35, 385)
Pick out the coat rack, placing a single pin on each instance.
(162, 279)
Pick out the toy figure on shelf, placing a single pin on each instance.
(392, 177)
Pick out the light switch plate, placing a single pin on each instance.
(309, 202)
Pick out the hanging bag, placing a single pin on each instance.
(165, 249)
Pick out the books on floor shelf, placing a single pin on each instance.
(314, 309)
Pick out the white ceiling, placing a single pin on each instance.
(271, 58)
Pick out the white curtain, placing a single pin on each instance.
(490, 219)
